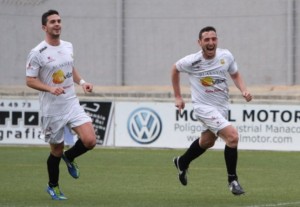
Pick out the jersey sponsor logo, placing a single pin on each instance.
(28, 66)
(65, 64)
(196, 65)
(50, 59)
(196, 62)
(144, 125)
(58, 77)
(209, 81)
(43, 49)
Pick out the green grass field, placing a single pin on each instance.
(147, 178)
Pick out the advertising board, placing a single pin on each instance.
(260, 127)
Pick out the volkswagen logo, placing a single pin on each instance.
(144, 125)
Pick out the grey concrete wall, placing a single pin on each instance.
(135, 42)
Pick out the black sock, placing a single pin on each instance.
(231, 157)
(53, 170)
(75, 151)
(192, 153)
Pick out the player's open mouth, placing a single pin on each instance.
(210, 49)
(57, 28)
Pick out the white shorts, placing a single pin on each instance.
(213, 119)
(53, 127)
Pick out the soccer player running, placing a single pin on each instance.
(50, 70)
(207, 71)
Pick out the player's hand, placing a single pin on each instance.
(57, 91)
(179, 103)
(87, 87)
(247, 96)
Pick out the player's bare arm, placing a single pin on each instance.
(87, 87)
(179, 102)
(35, 83)
(239, 83)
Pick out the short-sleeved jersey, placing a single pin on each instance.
(208, 77)
(53, 66)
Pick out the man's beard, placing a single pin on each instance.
(55, 36)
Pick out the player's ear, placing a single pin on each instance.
(44, 28)
(199, 42)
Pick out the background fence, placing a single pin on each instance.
(135, 42)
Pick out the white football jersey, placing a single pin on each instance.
(53, 66)
(208, 77)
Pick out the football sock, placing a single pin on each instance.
(75, 151)
(53, 170)
(192, 153)
(231, 157)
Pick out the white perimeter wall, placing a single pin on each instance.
(158, 125)
(135, 42)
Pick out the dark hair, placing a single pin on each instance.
(47, 14)
(206, 29)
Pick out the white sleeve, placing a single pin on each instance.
(33, 64)
(233, 68)
(184, 64)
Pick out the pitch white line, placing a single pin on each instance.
(276, 204)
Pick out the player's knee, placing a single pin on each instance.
(209, 143)
(57, 149)
(57, 153)
(90, 143)
(233, 140)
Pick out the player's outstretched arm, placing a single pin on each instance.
(35, 83)
(239, 83)
(175, 76)
(87, 87)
